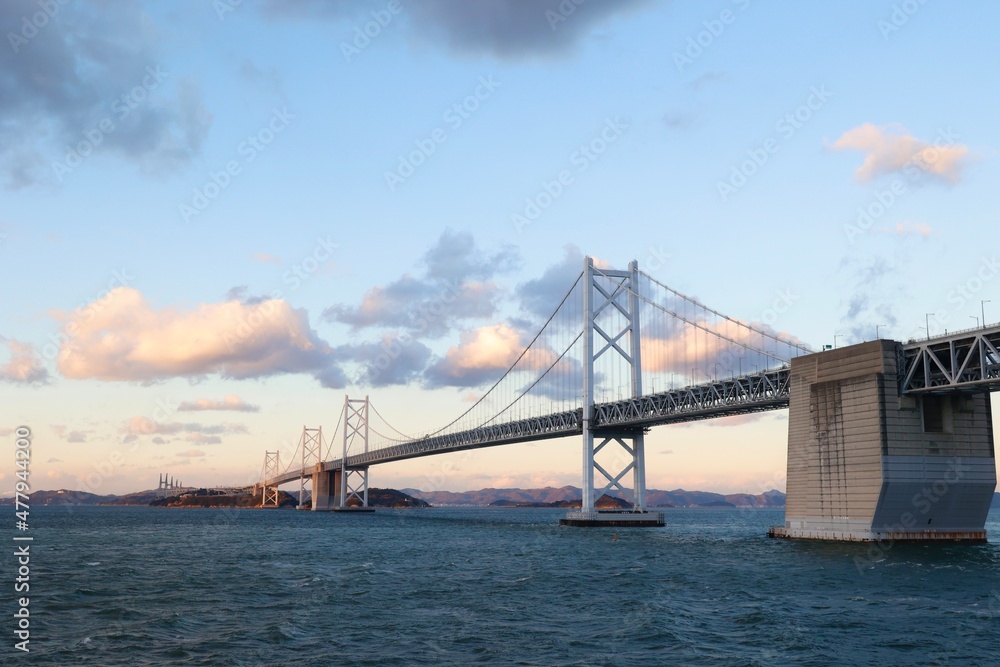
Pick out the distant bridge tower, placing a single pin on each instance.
(166, 485)
(354, 481)
(611, 310)
(312, 455)
(270, 495)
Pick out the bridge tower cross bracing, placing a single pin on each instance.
(312, 454)
(602, 294)
(270, 495)
(354, 481)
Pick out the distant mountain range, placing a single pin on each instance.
(654, 498)
(481, 498)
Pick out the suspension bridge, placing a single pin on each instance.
(622, 353)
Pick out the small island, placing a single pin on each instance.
(385, 498)
(604, 502)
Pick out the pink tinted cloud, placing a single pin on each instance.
(123, 338)
(889, 149)
(24, 366)
(230, 402)
(483, 353)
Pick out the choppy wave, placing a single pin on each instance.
(144, 586)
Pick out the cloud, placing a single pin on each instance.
(735, 420)
(870, 297)
(483, 355)
(502, 28)
(242, 294)
(679, 120)
(202, 439)
(395, 360)
(146, 426)
(267, 258)
(909, 229)
(70, 436)
(192, 432)
(704, 353)
(889, 149)
(191, 454)
(269, 81)
(231, 402)
(124, 339)
(541, 295)
(706, 79)
(483, 352)
(455, 285)
(24, 366)
(54, 460)
(83, 67)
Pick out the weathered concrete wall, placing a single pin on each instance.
(325, 490)
(862, 462)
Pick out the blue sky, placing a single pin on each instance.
(257, 155)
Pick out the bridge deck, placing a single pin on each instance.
(758, 392)
(962, 361)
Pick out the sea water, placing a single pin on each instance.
(150, 586)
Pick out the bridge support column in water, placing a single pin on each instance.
(611, 309)
(325, 490)
(867, 462)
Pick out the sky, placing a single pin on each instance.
(215, 216)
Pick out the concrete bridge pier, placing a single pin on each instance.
(868, 464)
(326, 490)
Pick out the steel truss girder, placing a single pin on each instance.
(967, 361)
(768, 390)
(750, 393)
(534, 428)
